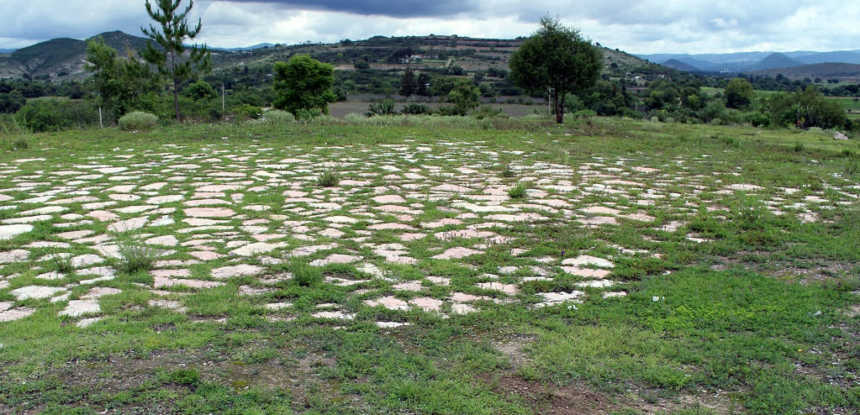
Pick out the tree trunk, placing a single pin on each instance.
(559, 111)
(176, 99)
(175, 86)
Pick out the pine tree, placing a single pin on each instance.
(170, 34)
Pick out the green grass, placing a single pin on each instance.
(754, 319)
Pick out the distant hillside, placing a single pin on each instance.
(122, 42)
(775, 60)
(681, 66)
(841, 71)
(60, 59)
(752, 61)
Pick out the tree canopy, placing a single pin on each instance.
(558, 58)
(739, 93)
(303, 83)
(120, 82)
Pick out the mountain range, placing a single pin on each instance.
(751, 61)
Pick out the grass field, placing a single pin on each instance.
(430, 266)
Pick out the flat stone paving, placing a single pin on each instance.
(226, 215)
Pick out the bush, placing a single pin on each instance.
(384, 107)
(200, 90)
(247, 111)
(278, 117)
(138, 120)
(416, 109)
(303, 114)
(57, 114)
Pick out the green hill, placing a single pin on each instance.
(60, 59)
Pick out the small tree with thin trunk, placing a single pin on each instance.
(556, 58)
(170, 34)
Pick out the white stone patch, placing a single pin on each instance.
(11, 231)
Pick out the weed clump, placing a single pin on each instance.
(62, 263)
(328, 179)
(278, 117)
(135, 256)
(138, 121)
(508, 172)
(518, 191)
(305, 275)
(20, 144)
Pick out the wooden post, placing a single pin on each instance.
(101, 124)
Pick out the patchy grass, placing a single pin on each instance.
(705, 269)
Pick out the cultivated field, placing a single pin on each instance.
(430, 266)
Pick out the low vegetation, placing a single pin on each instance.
(739, 297)
(138, 121)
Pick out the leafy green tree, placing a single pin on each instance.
(557, 58)
(805, 109)
(739, 93)
(170, 35)
(303, 83)
(465, 97)
(200, 90)
(662, 95)
(441, 86)
(11, 102)
(408, 83)
(120, 82)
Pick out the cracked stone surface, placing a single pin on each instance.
(410, 228)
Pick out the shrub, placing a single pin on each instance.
(303, 114)
(138, 120)
(57, 114)
(384, 107)
(278, 117)
(247, 111)
(415, 109)
(187, 377)
(200, 90)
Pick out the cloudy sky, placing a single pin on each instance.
(643, 26)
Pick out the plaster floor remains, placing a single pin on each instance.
(407, 230)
